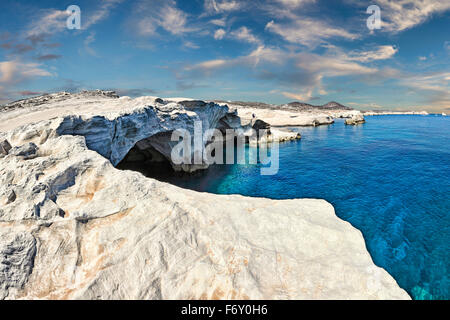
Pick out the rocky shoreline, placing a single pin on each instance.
(293, 114)
(72, 226)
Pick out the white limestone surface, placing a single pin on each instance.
(72, 226)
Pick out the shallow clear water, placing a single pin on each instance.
(390, 178)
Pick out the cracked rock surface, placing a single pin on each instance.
(78, 228)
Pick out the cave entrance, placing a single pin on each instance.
(144, 158)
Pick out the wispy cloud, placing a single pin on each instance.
(301, 72)
(174, 20)
(310, 69)
(219, 34)
(221, 6)
(16, 48)
(400, 15)
(260, 55)
(207, 67)
(337, 63)
(332, 66)
(222, 22)
(433, 87)
(47, 57)
(380, 53)
(190, 45)
(53, 21)
(244, 34)
(294, 3)
(50, 21)
(13, 72)
(153, 14)
(101, 13)
(308, 32)
(306, 95)
(87, 45)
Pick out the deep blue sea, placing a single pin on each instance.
(390, 178)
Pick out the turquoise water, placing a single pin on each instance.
(390, 178)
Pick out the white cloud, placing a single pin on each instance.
(241, 34)
(174, 20)
(294, 3)
(332, 66)
(100, 14)
(219, 34)
(190, 45)
(433, 88)
(304, 96)
(336, 63)
(219, 22)
(267, 54)
(161, 13)
(221, 6)
(303, 71)
(52, 21)
(207, 67)
(380, 53)
(308, 32)
(13, 72)
(400, 15)
(438, 82)
(257, 56)
(146, 27)
(87, 42)
(244, 34)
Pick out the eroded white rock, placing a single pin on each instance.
(355, 119)
(81, 229)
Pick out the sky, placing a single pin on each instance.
(273, 51)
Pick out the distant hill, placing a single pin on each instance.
(296, 105)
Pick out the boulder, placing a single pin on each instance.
(189, 104)
(4, 147)
(355, 119)
(27, 151)
(261, 125)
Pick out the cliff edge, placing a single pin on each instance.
(72, 226)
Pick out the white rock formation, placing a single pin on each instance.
(355, 119)
(284, 118)
(74, 227)
(294, 114)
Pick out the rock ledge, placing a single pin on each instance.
(72, 226)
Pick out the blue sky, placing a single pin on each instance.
(274, 51)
